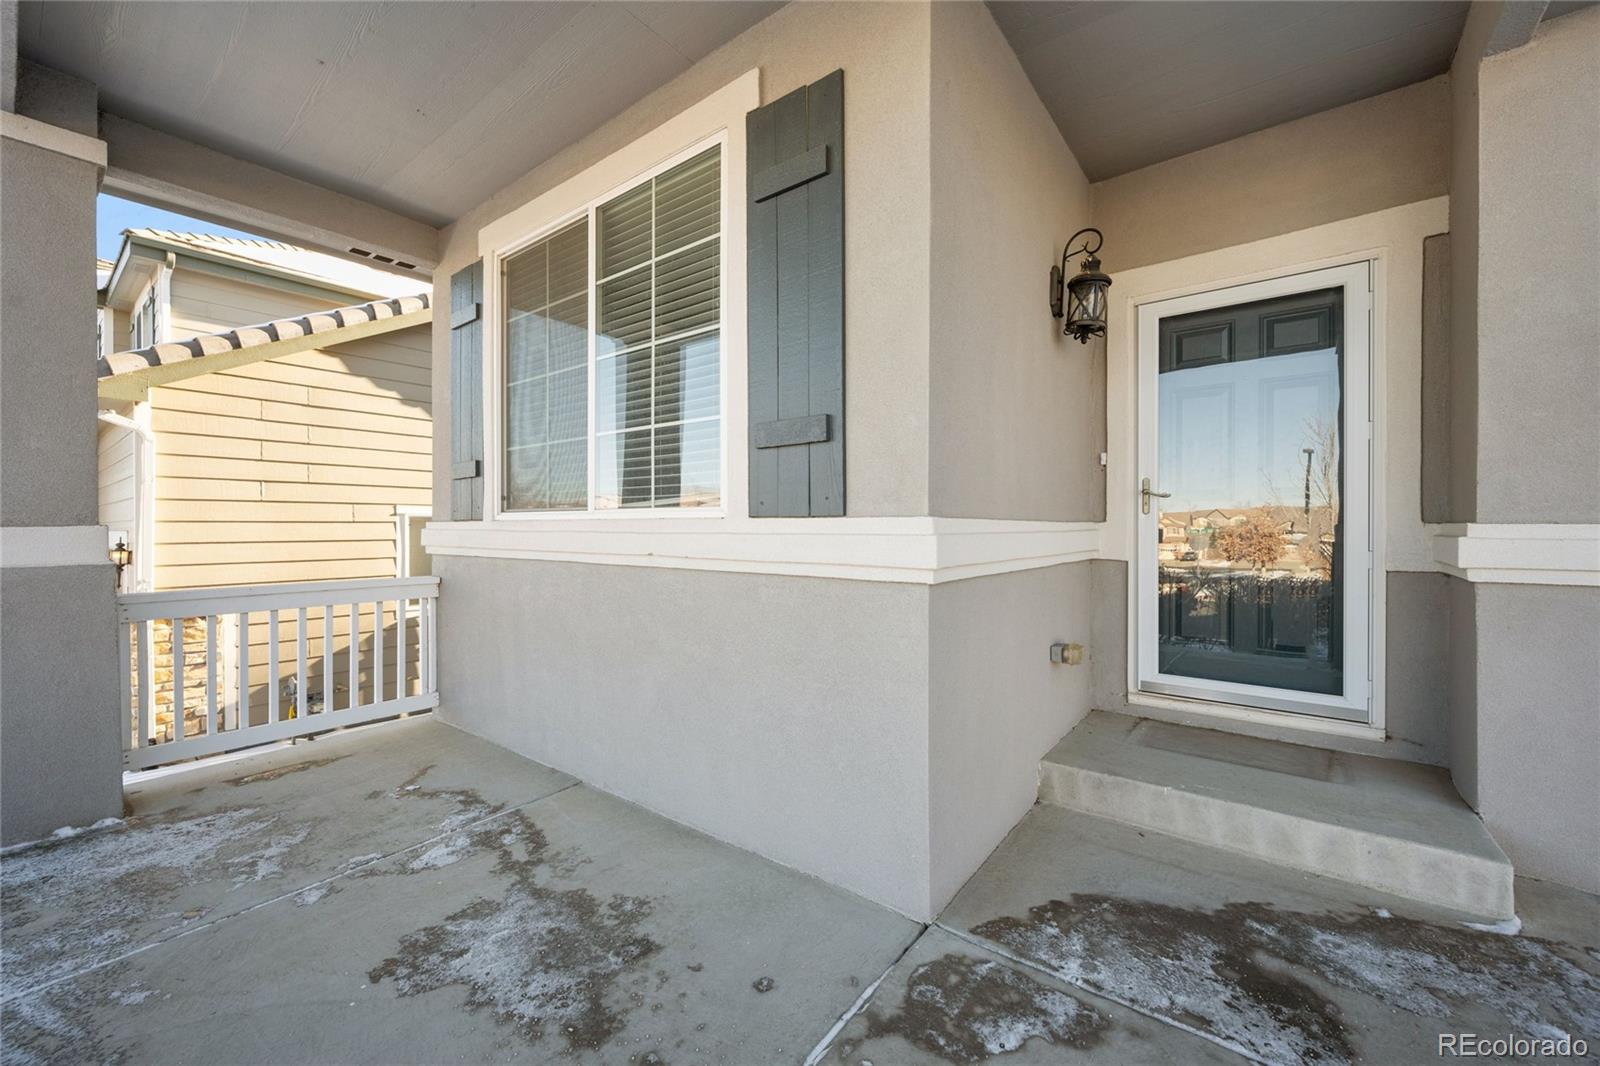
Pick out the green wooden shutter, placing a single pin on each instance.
(796, 302)
(466, 393)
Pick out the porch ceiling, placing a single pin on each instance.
(1133, 83)
(423, 108)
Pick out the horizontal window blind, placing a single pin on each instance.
(653, 427)
(547, 373)
(658, 343)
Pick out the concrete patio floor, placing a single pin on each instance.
(409, 893)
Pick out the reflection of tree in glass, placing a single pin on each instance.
(1322, 522)
(1257, 540)
(1315, 510)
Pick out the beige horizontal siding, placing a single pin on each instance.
(174, 577)
(187, 488)
(116, 479)
(207, 532)
(288, 469)
(180, 512)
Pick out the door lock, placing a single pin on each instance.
(1146, 494)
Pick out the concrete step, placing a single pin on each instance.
(1394, 826)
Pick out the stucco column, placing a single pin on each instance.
(60, 755)
(1525, 240)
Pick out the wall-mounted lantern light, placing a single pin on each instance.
(1082, 299)
(121, 555)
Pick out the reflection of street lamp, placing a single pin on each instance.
(1308, 452)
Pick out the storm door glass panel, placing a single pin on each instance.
(658, 431)
(1249, 543)
(547, 373)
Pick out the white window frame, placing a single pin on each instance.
(1363, 585)
(104, 322)
(403, 517)
(717, 120)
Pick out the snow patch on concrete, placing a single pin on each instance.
(446, 852)
(540, 958)
(1247, 974)
(966, 1009)
(315, 894)
(77, 902)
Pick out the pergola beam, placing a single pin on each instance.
(160, 169)
(134, 386)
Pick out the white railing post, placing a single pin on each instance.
(241, 711)
(125, 720)
(302, 697)
(147, 684)
(433, 645)
(424, 642)
(211, 675)
(377, 652)
(402, 611)
(327, 658)
(228, 637)
(354, 656)
(177, 678)
(272, 667)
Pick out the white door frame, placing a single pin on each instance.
(1362, 584)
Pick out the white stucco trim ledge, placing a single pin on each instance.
(1515, 554)
(913, 550)
(39, 546)
(53, 138)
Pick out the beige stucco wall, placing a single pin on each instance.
(59, 756)
(883, 49)
(1538, 727)
(1016, 411)
(786, 715)
(1376, 153)
(1017, 424)
(900, 796)
(1525, 251)
(1538, 277)
(1461, 494)
(997, 704)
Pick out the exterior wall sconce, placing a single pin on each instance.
(1082, 300)
(121, 555)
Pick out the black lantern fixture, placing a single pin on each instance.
(1081, 300)
(121, 555)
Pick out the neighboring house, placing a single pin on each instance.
(220, 465)
(306, 466)
(768, 491)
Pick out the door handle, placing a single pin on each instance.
(1146, 493)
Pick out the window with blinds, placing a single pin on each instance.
(655, 407)
(547, 373)
(657, 346)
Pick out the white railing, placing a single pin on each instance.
(212, 670)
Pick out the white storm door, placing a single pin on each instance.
(1254, 560)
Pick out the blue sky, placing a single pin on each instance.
(112, 216)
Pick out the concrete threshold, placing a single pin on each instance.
(1394, 826)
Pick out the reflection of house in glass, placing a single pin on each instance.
(1196, 539)
(1246, 588)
